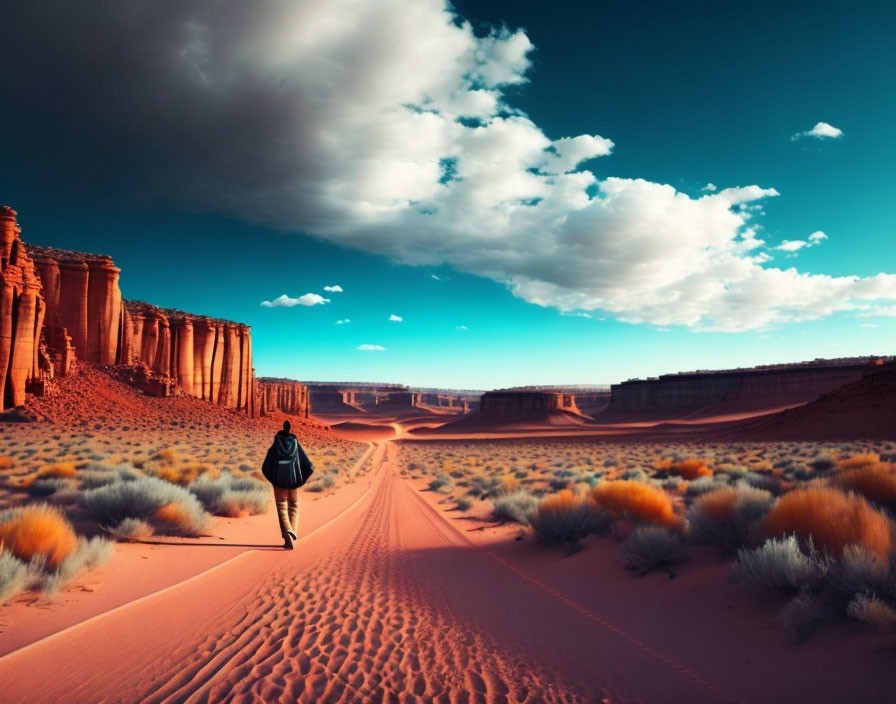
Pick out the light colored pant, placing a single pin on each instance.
(287, 501)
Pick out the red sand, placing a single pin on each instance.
(391, 601)
(389, 597)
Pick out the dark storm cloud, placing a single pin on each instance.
(379, 125)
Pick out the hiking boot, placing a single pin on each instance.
(292, 535)
(287, 543)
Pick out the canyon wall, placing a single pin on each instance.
(284, 395)
(58, 306)
(206, 357)
(22, 313)
(525, 404)
(774, 385)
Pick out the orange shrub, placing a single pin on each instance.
(635, 500)
(718, 505)
(509, 484)
(562, 501)
(175, 513)
(39, 530)
(691, 468)
(6, 462)
(184, 474)
(832, 519)
(167, 456)
(857, 461)
(876, 482)
(59, 469)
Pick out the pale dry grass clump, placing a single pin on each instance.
(832, 520)
(40, 550)
(727, 517)
(779, 566)
(566, 518)
(231, 496)
(637, 501)
(142, 499)
(515, 507)
(131, 530)
(652, 546)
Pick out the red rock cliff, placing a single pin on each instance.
(22, 312)
(284, 395)
(58, 305)
(525, 404)
(83, 298)
(208, 358)
(779, 384)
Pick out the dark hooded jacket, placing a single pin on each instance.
(286, 465)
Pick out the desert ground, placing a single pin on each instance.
(430, 568)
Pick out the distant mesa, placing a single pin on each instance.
(348, 398)
(860, 410)
(749, 389)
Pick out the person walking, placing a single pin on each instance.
(287, 467)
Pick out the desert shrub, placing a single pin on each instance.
(231, 496)
(875, 481)
(132, 529)
(183, 474)
(653, 546)
(39, 530)
(804, 614)
(725, 517)
(822, 463)
(440, 482)
(143, 498)
(182, 518)
(703, 485)
(831, 519)
(64, 470)
(92, 478)
(778, 566)
(636, 501)
(320, 482)
(567, 518)
(88, 555)
(14, 576)
(858, 571)
(766, 482)
(868, 459)
(691, 468)
(6, 462)
(872, 610)
(462, 504)
(47, 486)
(516, 507)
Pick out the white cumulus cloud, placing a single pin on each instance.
(343, 322)
(395, 318)
(371, 348)
(822, 130)
(284, 301)
(385, 126)
(815, 238)
(333, 289)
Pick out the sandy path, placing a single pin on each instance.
(386, 603)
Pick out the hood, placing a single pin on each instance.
(287, 445)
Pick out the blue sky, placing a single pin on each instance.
(206, 187)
